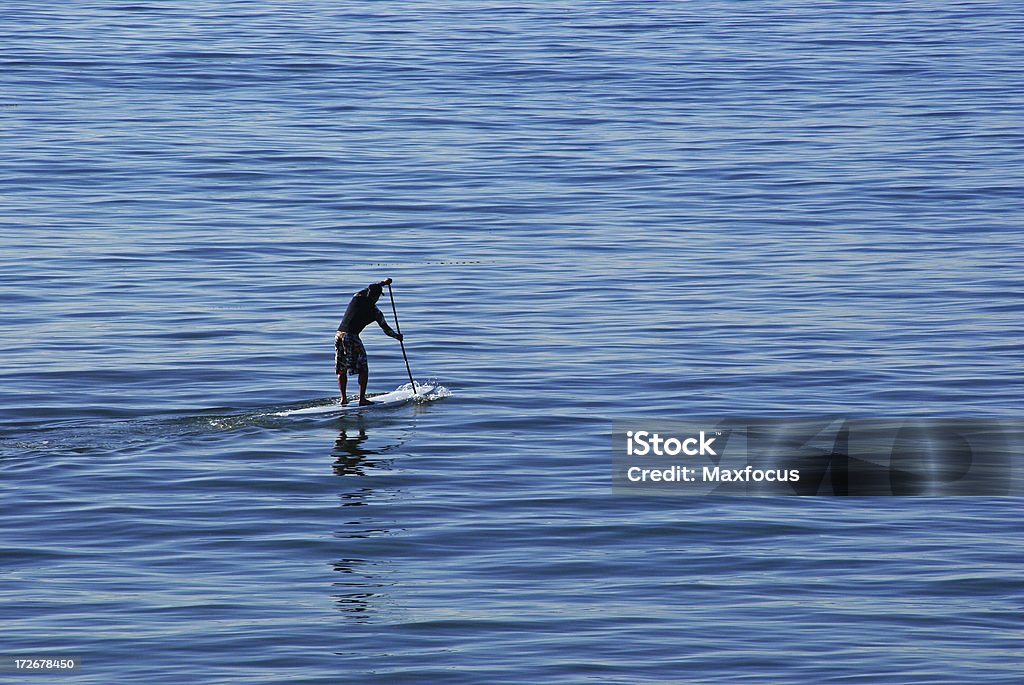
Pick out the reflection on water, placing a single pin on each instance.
(357, 589)
(360, 583)
(349, 451)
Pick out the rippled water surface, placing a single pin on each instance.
(591, 210)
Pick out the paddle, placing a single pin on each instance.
(398, 329)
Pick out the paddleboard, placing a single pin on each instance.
(391, 399)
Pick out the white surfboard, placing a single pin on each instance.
(391, 399)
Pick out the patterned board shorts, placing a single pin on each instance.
(349, 354)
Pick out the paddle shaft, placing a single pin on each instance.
(398, 329)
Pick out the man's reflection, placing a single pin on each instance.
(360, 581)
(350, 456)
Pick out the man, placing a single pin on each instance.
(349, 353)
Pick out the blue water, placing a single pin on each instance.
(591, 210)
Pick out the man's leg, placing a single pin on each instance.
(364, 377)
(340, 364)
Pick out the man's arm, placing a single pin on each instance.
(379, 318)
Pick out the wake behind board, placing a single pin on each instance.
(391, 399)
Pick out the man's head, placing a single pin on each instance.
(374, 291)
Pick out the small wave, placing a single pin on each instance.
(88, 436)
(431, 390)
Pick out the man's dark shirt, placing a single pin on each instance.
(362, 312)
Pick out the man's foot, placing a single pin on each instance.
(363, 402)
(344, 401)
